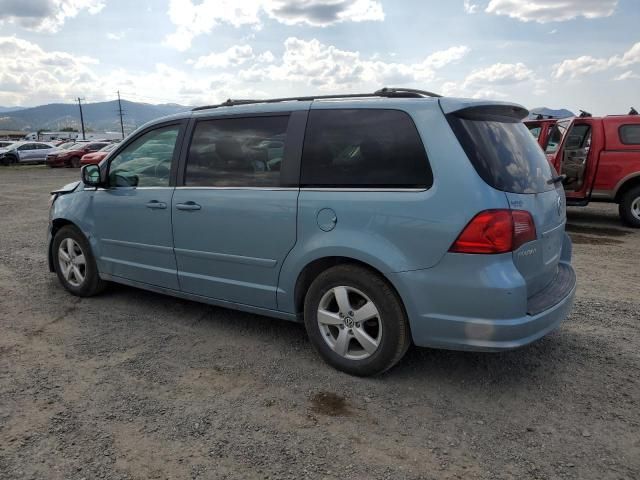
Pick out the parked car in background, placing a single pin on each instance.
(329, 211)
(25, 152)
(97, 157)
(600, 157)
(6, 143)
(71, 155)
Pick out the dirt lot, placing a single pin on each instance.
(136, 385)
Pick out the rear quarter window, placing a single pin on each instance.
(630, 134)
(361, 148)
(503, 152)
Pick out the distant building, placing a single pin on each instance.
(11, 135)
(50, 136)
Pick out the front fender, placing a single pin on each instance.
(71, 208)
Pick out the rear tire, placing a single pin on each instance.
(629, 207)
(75, 264)
(356, 321)
(75, 162)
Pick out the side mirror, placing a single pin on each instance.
(90, 175)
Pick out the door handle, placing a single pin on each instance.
(188, 206)
(156, 205)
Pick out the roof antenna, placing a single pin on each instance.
(633, 111)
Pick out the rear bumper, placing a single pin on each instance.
(477, 303)
(458, 333)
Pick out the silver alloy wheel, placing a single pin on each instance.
(349, 323)
(635, 208)
(73, 264)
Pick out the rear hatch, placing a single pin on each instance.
(508, 158)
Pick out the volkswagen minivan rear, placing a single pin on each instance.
(508, 277)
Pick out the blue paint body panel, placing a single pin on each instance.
(246, 248)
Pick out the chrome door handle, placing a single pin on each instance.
(188, 206)
(156, 205)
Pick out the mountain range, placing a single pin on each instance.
(103, 116)
(99, 117)
(559, 113)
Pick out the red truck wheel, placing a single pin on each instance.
(629, 207)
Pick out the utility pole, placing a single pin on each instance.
(81, 117)
(121, 114)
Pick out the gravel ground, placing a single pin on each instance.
(132, 384)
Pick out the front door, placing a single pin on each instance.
(133, 216)
(27, 152)
(234, 221)
(574, 160)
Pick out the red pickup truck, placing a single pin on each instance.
(600, 157)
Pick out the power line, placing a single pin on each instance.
(81, 117)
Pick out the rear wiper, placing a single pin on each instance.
(558, 179)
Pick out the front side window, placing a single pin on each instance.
(630, 134)
(555, 137)
(146, 162)
(361, 148)
(237, 152)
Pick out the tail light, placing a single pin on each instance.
(496, 231)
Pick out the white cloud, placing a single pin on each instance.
(115, 35)
(628, 75)
(31, 74)
(232, 57)
(500, 73)
(470, 7)
(45, 15)
(193, 19)
(485, 82)
(587, 64)
(327, 67)
(545, 11)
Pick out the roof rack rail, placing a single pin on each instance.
(383, 92)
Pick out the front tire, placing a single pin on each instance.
(75, 264)
(356, 321)
(9, 160)
(629, 207)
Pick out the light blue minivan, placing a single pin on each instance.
(376, 219)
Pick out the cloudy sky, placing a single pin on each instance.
(556, 53)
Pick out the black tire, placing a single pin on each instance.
(629, 207)
(9, 160)
(91, 284)
(394, 337)
(74, 162)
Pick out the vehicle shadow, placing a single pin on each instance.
(420, 366)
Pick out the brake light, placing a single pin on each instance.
(495, 231)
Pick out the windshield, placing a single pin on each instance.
(504, 153)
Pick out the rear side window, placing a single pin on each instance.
(237, 152)
(363, 148)
(630, 134)
(503, 152)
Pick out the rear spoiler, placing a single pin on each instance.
(483, 109)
